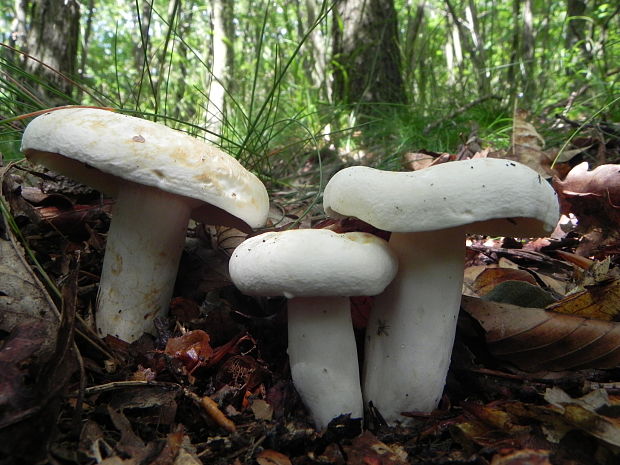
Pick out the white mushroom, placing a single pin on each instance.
(317, 269)
(160, 178)
(411, 329)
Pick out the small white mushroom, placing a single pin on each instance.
(411, 330)
(317, 269)
(160, 178)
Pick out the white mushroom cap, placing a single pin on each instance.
(317, 269)
(494, 196)
(429, 212)
(100, 148)
(312, 262)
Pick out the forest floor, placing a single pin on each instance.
(214, 385)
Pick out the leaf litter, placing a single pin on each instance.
(534, 376)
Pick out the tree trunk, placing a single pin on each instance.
(18, 26)
(414, 25)
(183, 29)
(81, 70)
(576, 26)
(53, 39)
(513, 70)
(527, 55)
(367, 53)
(219, 68)
(314, 51)
(472, 43)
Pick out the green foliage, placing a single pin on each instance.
(158, 64)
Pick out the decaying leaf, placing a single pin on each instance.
(35, 359)
(592, 196)
(261, 409)
(22, 296)
(491, 277)
(520, 293)
(367, 449)
(527, 144)
(522, 457)
(272, 457)
(535, 339)
(225, 238)
(588, 413)
(193, 349)
(598, 301)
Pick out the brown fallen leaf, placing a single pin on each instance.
(522, 457)
(587, 413)
(261, 409)
(414, 161)
(272, 457)
(592, 196)
(527, 144)
(598, 301)
(192, 349)
(535, 339)
(491, 277)
(368, 450)
(36, 363)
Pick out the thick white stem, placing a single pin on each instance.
(143, 249)
(410, 332)
(323, 357)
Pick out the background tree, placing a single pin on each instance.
(421, 58)
(219, 76)
(366, 52)
(51, 37)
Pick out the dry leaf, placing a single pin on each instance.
(527, 144)
(193, 349)
(587, 413)
(520, 293)
(416, 161)
(522, 457)
(598, 301)
(491, 277)
(225, 238)
(23, 299)
(592, 196)
(534, 339)
(271, 457)
(367, 449)
(261, 409)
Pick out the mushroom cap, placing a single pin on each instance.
(488, 195)
(312, 263)
(103, 148)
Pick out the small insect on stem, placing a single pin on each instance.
(382, 328)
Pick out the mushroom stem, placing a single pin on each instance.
(143, 249)
(323, 357)
(411, 329)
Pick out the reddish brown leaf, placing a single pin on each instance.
(366, 449)
(535, 339)
(272, 457)
(598, 301)
(592, 413)
(592, 196)
(193, 349)
(491, 277)
(522, 457)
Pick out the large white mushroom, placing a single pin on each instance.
(411, 330)
(317, 270)
(160, 178)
